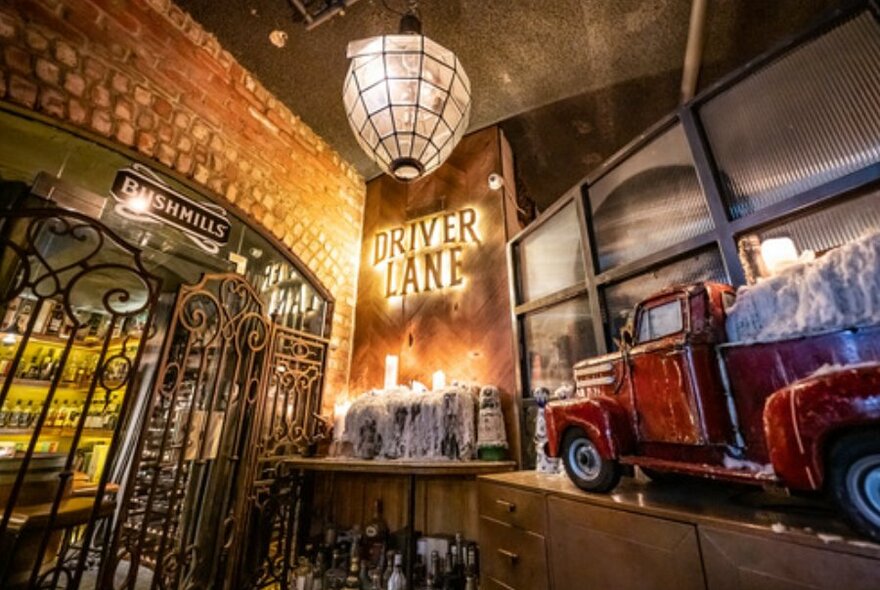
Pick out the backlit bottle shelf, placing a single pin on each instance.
(57, 431)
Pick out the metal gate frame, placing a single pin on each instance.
(26, 266)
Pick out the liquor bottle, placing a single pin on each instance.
(376, 580)
(30, 370)
(459, 554)
(318, 575)
(110, 415)
(335, 576)
(472, 565)
(56, 320)
(61, 416)
(73, 415)
(5, 411)
(24, 316)
(53, 414)
(389, 567)
(434, 574)
(47, 367)
(9, 316)
(397, 581)
(452, 580)
(470, 582)
(303, 574)
(16, 415)
(28, 416)
(376, 533)
(353, 580)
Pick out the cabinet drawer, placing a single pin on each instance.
(512, 556)
(513, 506)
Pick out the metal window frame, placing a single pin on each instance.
(726, 230)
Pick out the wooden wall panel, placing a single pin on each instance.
(465, 331)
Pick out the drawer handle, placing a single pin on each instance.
(510, 506)
(513, 557)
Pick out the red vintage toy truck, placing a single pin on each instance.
(802, 412)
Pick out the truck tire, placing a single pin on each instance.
(585, 466)
(854, 480)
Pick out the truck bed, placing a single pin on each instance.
(755, 370)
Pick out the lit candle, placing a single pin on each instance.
(340, 409)
(438, 381)
(390, 371)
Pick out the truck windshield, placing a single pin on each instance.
(662, 320)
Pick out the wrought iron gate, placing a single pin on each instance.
(75, 301)
(208, 503)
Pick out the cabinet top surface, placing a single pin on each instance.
(399, 466)
(803, 520)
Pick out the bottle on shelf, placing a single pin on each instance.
(15, 415)
(376, 580)
(53, 413)
(353, 579)
(26, 309)
(56, 320)
(452, 579)
(435, 576)
(110, 416)
(47, 366)
(389, 567)
(335, 576)
(318, 574)
(61, 417)
(397, 581)
(303, 574)
(29, 416)
(9, 316)
(376, 533)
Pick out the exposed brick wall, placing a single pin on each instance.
(144, 74)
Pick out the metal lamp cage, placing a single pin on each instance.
(408, 102)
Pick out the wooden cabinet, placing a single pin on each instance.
(512, 538)
(741, 561)
(591, 547)
(540, 532)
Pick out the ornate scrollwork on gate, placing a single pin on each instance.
(187, 492)
(75, 300)
(292, 420)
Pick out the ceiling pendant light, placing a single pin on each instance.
(407, 98)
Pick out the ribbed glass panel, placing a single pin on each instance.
(649, 202)
(551, 257)
(818, 231)
(806, 119)
(555, 339)
(621, 298)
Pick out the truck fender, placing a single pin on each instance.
(602, 418)
(801, 419)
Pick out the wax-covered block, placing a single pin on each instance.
(404, 424)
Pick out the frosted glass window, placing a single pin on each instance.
(817, 230)
(804, 120)
(551, 257)
(555, 339)
(651, 201)
(621, 298)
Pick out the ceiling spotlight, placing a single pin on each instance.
(408, 99)
(496, 181)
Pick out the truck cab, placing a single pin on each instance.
(679, 398)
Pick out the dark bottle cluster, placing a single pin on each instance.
(372, 559)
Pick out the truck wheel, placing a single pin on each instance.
(854, 480)
(585, 466)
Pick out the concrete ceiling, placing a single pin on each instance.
(570, 81)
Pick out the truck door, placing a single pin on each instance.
(662, 391)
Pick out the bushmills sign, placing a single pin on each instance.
(425, 254)
(141, 195)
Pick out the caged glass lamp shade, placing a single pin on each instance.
(408, 102)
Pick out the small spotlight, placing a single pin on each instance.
(138, 204)
(496, 181)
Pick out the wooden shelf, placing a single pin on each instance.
(398, 466)
(62, 432)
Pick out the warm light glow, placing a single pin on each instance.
(138, 204)
(340, 410)
(778, 253)
(10, 338)
(496, 181)
(438, 381)
(391, 366)
(408, 102)
(425, 254)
